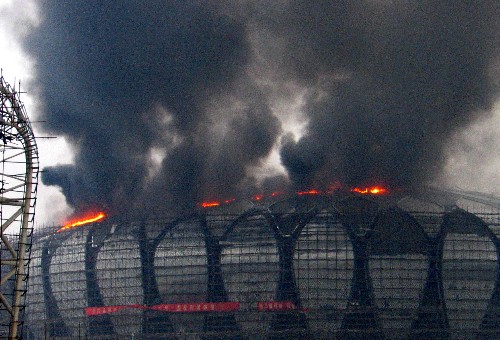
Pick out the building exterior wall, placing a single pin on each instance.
(350, 268)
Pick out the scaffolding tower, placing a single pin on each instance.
(18, 185)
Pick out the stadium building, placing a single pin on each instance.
(311, 265)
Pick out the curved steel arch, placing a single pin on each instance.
(433, 319)
(18, 179)
(51, 307)
(235, 242)
(100, 325)
(329, 230)
(398, 242)
(382, 233)
(287, 229)
(460, 221)
(153, 322)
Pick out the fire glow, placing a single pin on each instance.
(255, 198)
(374, 190)
(83, 221)
(210, 204)
(371, 190)
(308, 192)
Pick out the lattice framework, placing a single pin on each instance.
(18, 184)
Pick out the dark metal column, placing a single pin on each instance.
(361, 317)
(216, 290)
(57, 326)
(287, 291)
(99, 324)
(490, 325)
(153, 322)
(432, 320)
(287, 228)
(360, 320)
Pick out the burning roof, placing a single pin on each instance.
(381, 88)
(83, 220)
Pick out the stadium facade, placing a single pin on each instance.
(343, 265)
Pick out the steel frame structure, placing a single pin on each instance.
(18, 185)
(387, 272)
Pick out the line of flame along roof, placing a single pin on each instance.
(83, 221)
(375, 190)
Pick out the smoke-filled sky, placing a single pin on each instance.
(163, 104)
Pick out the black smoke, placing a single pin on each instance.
(121, 79)
(391, 82)
(387, 84)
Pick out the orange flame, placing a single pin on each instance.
(256, 198)
(376, 190)
(210, 204)
(308, 192)
(100, 216)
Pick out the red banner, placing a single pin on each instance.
(90, 311)
(267, 306)
(173, 308)
(198, 307)
(262, 306)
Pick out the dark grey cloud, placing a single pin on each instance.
(388, 83)
(104, 69)
(393, 82)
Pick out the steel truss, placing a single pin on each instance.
(18, 184)
(353, 268)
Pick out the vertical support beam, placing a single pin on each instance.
(99, 325)
(26, 230)
(17, 190)
(490, 325)
(287, 291)
(216, 290)
(360, 320)
(58, 327)
(153, 322)
(432, 319)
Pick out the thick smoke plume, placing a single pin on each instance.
(125, 82)
(391, 80)
(170, 102)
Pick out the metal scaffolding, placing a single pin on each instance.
(18, 184)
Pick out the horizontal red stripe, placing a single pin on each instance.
(262, 306)
(265, 306)
(173, 307)
(198, 307)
